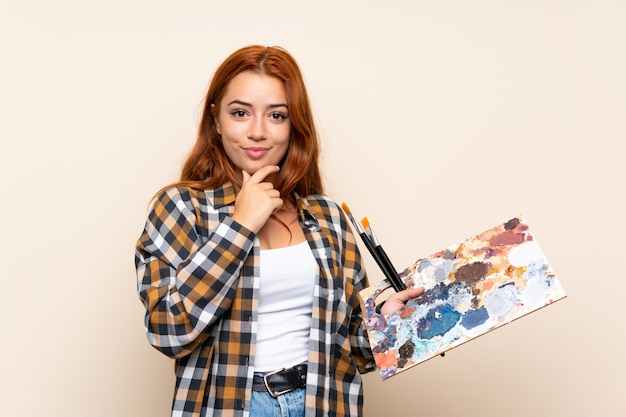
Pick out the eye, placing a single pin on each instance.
(238, 113)
(278, 116)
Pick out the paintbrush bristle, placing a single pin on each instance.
(365, 223)
(356, 224)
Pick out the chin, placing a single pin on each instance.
(254, 168)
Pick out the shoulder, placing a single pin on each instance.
(323, 204)
(185, 201)
(199, 198)
(178, 197)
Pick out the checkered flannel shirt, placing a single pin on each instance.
(198, 278)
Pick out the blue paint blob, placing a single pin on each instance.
(423, 265)
(501, 301)
(437, 322)
(473, 318)
(439, 292)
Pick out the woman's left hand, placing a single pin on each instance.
(396, 301)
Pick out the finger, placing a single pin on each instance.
(406, 295)
(266, 186)
(246, 176)
(414, 292)
(418, 291)
(263, 172)
(279, 205)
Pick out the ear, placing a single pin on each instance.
(215, 120)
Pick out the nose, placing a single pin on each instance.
(258, 130)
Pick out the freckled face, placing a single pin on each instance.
(254, 121)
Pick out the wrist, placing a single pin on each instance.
(379, 307)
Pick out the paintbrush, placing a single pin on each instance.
(395, 280)
(391, 276)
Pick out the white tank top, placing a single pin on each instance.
(285, 307)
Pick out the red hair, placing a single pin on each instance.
(208, 166)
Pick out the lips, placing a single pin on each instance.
(255, 152)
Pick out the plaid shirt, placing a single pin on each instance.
(198, 277)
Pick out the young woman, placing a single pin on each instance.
(249, 274)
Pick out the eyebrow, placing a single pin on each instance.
(245, 103)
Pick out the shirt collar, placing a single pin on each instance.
(226, 194)
(307, 218)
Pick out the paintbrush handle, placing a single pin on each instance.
(377, 252)
(391, 275)
(370, 247)
(394, 278)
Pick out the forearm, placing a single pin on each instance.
(361, 350)
(184, 299)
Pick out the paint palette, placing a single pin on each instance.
(472, 288)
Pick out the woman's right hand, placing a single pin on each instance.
(257, 199)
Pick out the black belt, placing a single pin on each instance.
(281, 381)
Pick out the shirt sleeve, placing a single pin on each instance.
(186, 282)
(357, 281)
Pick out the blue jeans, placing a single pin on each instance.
(290, 404)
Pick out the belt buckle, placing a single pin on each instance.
(267, 385)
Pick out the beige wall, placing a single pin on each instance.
(439, 119)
